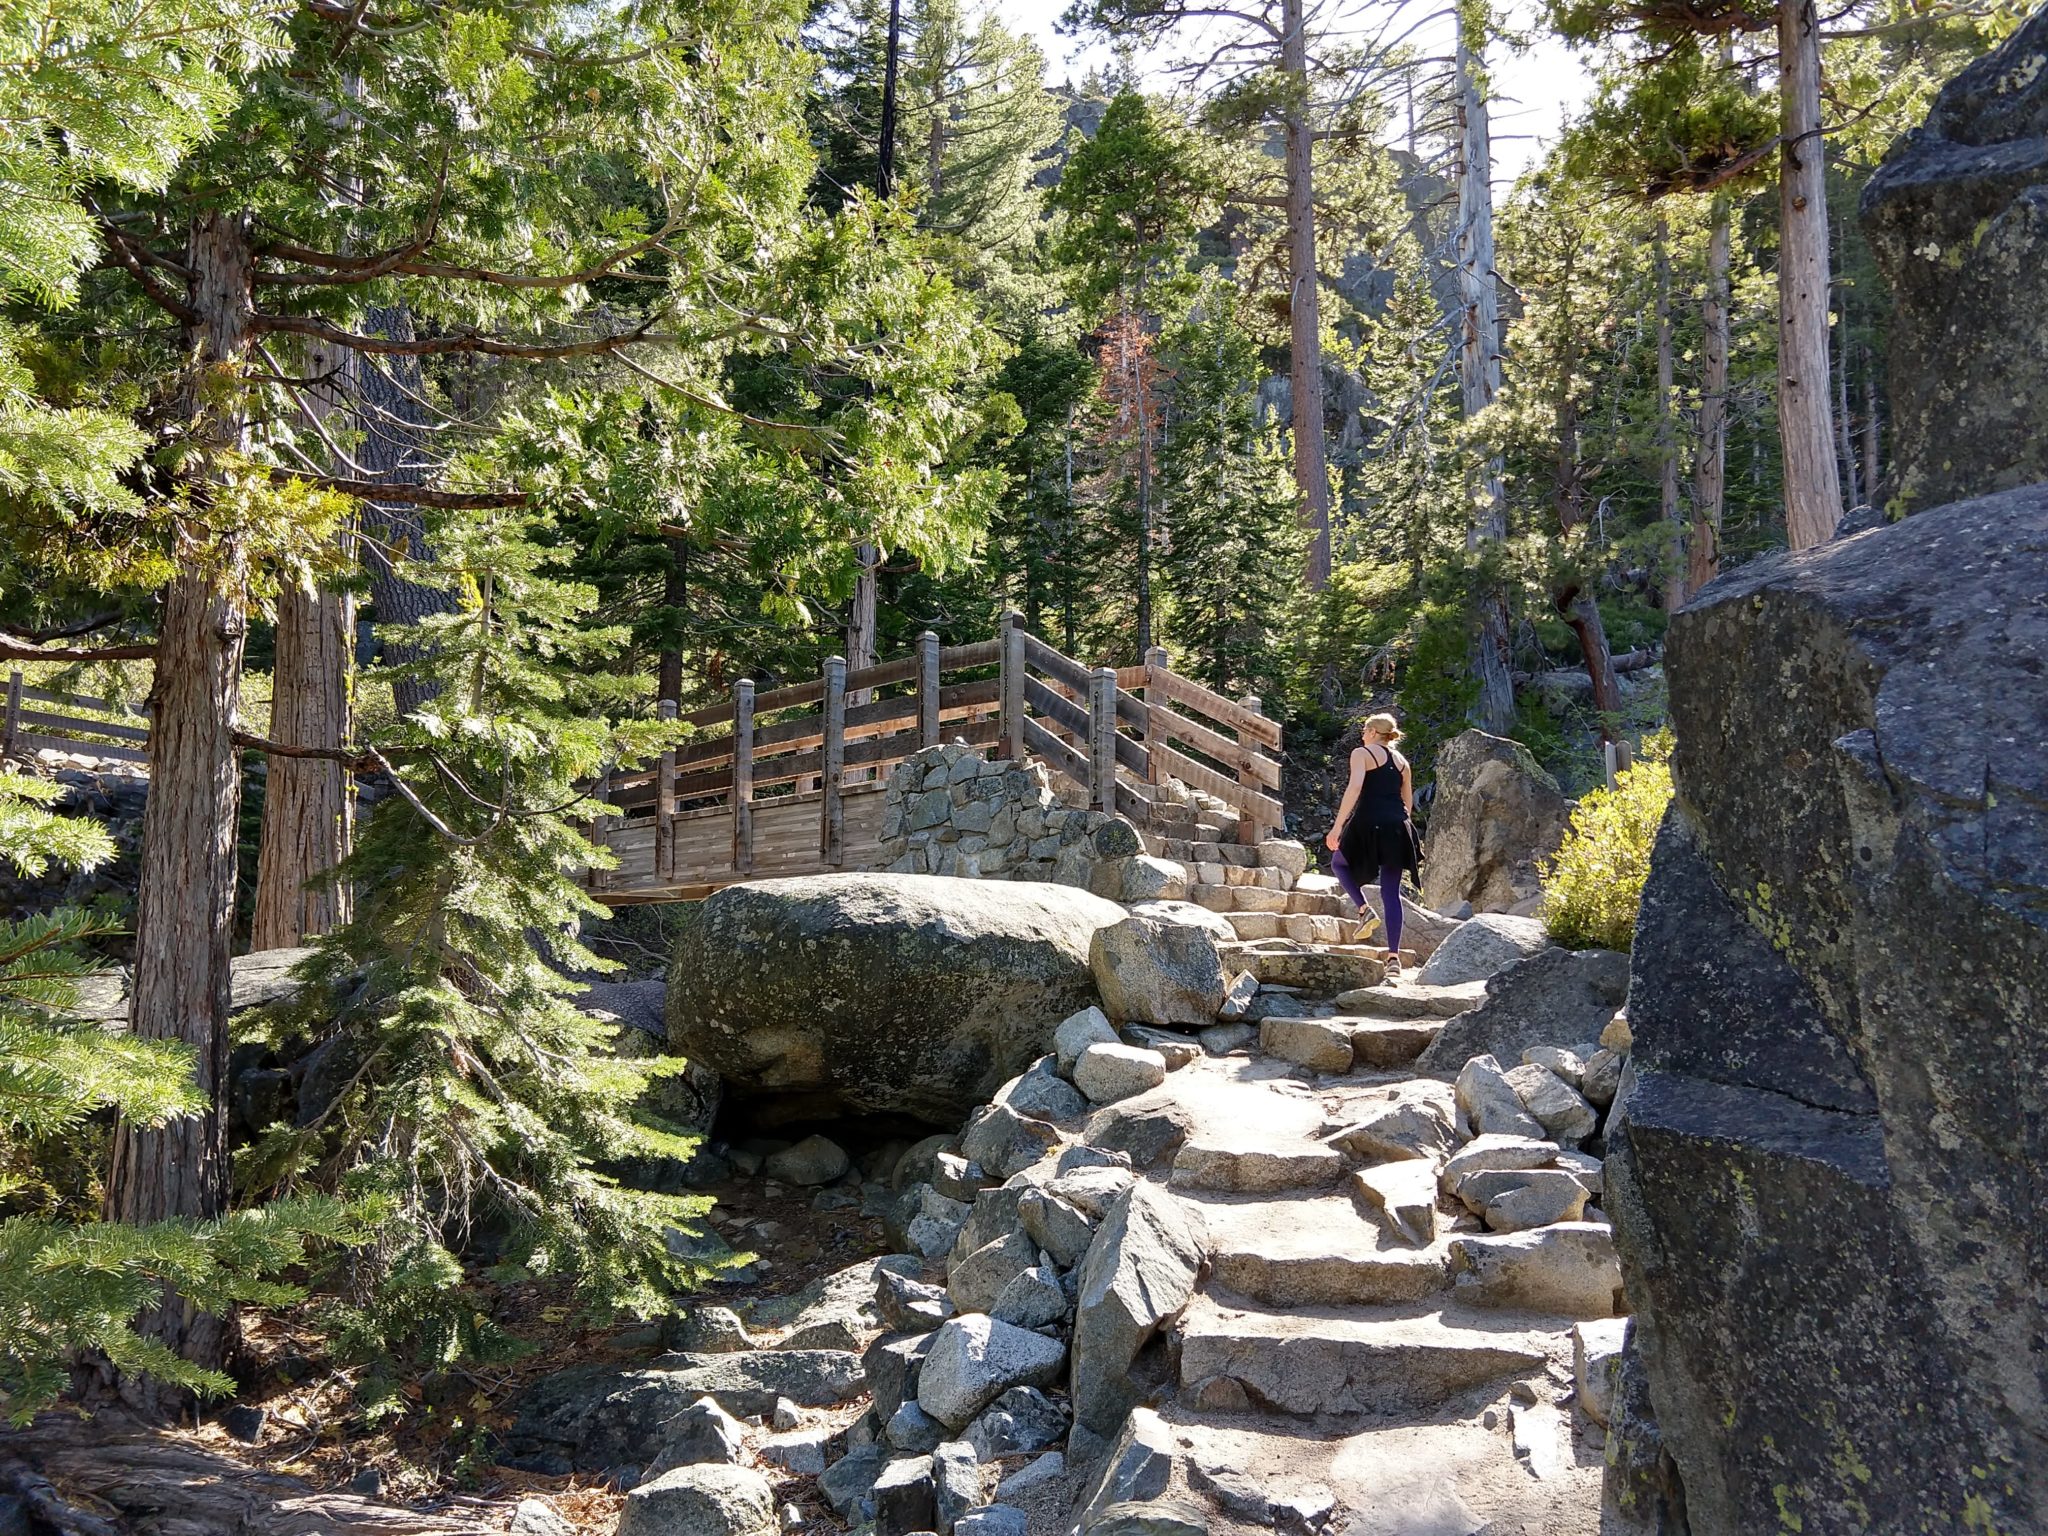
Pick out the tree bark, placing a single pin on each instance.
(390, 405)
(1582, 612)
(185, 898)
(1134, 332)
(1872, 463)
(1845, 442)
(1813, 490)
(675, 594)
(1304, 316)
(308, 803)
(1480, 377)
(1710, 468)
(860, 623)
(1667, 429)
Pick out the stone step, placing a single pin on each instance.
(1318, 904)
(1312, 1363)
(1316, 1250)
(1263, 875)
(1299, 927)
(1409, 999)
(1384, 1044)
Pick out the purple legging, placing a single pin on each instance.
(1390, 895)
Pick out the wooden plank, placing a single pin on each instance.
(831, 829)
(1068, 715)
(956, 699)
(1102, 740)
(1131, 677)
(1056, 754)
(83, 701)
(980, 653)
(665, 798)
(1053, 664)
(741, 801)
(1234, 755)
(1133, 803)
(28, 742)
(1249, 830)
(1246, 722)
(1016, 649)
(50, 722)
(1193, 774)
(927, 689)
(1155, 710)
(901, 670)
(600, 793)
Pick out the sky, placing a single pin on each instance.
(1533, 90)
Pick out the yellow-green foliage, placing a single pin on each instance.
(1595, 884)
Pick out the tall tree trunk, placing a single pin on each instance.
(860, 620)
(391, 409)
(1872, 464)
(1582, 612)
(1134, 333)
(1480, 375)
(1813, 490)
(1845, 440)
(1304, 315)
(1710, 468)
(1667, 429)
(675, 594)
(185, 899)
(308, 804)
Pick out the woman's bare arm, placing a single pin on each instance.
(1407, 787)
(1350, 797)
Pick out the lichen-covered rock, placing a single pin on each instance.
(1838, 1039)
(1152, 972)
(1957, 216)
(1496, 815)
(908, 994)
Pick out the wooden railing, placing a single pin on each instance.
(788, 781)
(36, 718)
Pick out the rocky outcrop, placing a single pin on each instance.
(1825, 1172)
(911, 994)
(1555, 994)
(1958, 218)
(1496, 814)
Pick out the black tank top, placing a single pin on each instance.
(1379, 796)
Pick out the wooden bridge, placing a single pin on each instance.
(790, 782)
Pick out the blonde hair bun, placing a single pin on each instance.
(1385, 725)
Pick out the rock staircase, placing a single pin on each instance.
(1263, 890)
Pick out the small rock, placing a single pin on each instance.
(1058, 1227)
(1527, 1198)
(369, 1483)
(1566, 1117)
(785, 1415)
(978, 1280)
(703, 1500)
(1073, 1159)
(958, 1179)
(1040, 1093)
(1569, 1269)
(1411, 1129)
(1039, 1473)
(1255, 1170)
(1542, 1440)
(956, 1483)
(1032, 1299)
(1567, 1063)
(1178, 1050)
(1489, 1103)
(1496, 1154)
(1222, 1039)
(994, 1519)
(701, 1433)
(1319, 1044)
(1074, 1035)
(1020, 1421)
(801, 1452)
(851, 1480)
(1617, 1036)
(974, 1360)
(792, 1517)
(245, 1422)
(1587, 1169)
(537, 1517)
(1152, 1517)
(1146, 1130)
(813, 1161)
(1596, 1364)
(1601, 1080)
(894, 1366)
(1152, 972)
(1234, 1492)
(1005, 1142)
(1091, 1191)
(904, 1496)
(1107, 1073)
(935, 1224)
(913, 1431)
(1237, 996)
(910, 1306)
(1139, 1273)
(1404, 1193)
(915, 1165)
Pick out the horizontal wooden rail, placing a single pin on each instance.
(82, 701)
(55, 729)
(72, 723)
(1248, 722)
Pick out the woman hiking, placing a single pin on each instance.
(1375, 832)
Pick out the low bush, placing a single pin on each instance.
(1594, 885)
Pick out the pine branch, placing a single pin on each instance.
(470, 342)
(408, 495)
(13, 648)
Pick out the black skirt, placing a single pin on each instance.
(1370, 847)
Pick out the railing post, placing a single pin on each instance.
(743, 776)
(1155, 718)
(1011, 744)
(1102, 739)
(927, 689)
(831, 827)
(1248, 828)
(10, 729)
(601, 791)
(665, 799)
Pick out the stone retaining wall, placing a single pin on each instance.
(949, 811)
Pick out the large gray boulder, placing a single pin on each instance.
(1555, 997)
(904, 994)
(1825, 1172)
(1477, 948)
(1139, 1273)
(1496, 813)
(1958, 219)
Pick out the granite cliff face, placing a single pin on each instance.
(1826, 1177)
(1958, 218)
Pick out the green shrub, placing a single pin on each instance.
(1594, 885)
